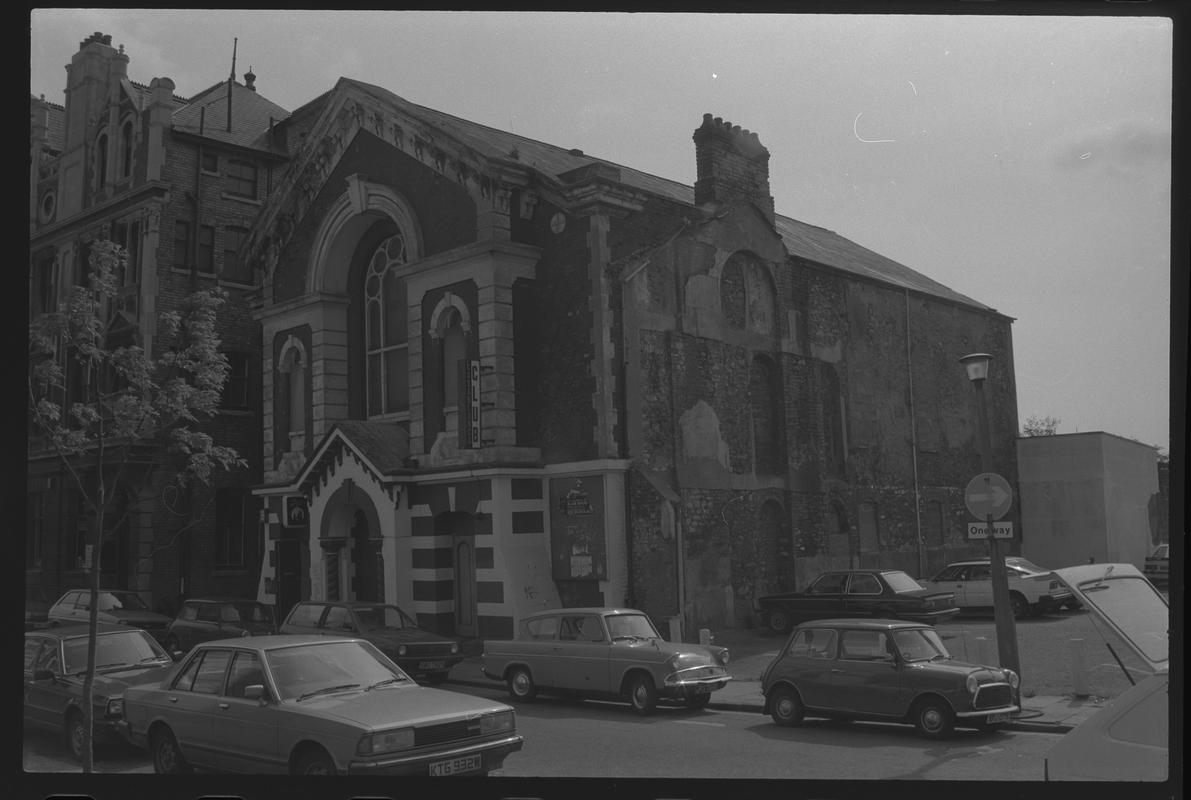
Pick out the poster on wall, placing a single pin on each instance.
(577, 541)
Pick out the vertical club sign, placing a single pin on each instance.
(473, 404)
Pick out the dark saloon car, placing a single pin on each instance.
(883, 593)
(204, 619)
(55, 661)
(312, 705)
(116, 606)
(419, 652)
(884, 670)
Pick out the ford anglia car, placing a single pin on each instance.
(884, 670)
(604, 652)
(311, 705)
(881, 593)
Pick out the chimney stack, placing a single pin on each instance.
(250, 80)
(731, 166)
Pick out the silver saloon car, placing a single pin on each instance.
(312, 705)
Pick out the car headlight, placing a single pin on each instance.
(972, 683)
(496, 723)
(401, 650)
(385, 742)
(115, 707)
(1011, 678)
(454, 648)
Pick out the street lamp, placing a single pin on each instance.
(976, 365)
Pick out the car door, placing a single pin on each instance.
(245, 729)
(538, 648)
(44, 698)
(583, 649)
(950, 579)
(866, 677)
(825, 598)
(808, 662)
(978, 586)
(863, 595)
(192, 702)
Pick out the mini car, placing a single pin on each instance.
(884, 670)
(311, 705)
(1032, 589)
(604, 652)
(205, 618)
(116, 606)
(417, 651)
(55, 663)
(883, 593)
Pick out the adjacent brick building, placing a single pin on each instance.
(179, 182)
(500, 375)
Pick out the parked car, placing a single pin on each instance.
(55, 660)
(884, 670)
(604, 652)
(116, 606)
(419, 652)
(1157, 565)
(37, 608)
(312, 705)
(1032, 589)
(885, 593)
(205, 618)
(1127, 739)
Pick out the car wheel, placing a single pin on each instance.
(74, 734)
(779, 621)
(314, 761)
(167, 758)
(786, 706)
(521, 685)
(643, 695)
(1020, 607)
(696, 700)
(934, 719)
(437, 677)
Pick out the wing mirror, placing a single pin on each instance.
(256, 691)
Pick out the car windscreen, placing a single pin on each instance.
(1136, 608)
(901, 582)
(121, 601)
(303, 669)
(250, 612)
(123, 649)
(376, 617)
(631, 626)
(919, 645)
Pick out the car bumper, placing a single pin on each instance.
(1049, 602)
(418, 665)
(492, 756)
(929, 617)
(986, 712)
(688, 687)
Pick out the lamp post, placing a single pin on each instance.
(977, 366)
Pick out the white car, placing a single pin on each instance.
(1032, 589)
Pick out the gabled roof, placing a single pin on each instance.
(251, 115)
(802, 240)
(380, 448)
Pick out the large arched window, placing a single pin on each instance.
(732, 293)
(387, 330)
(126, 149)
(454, 350)
(101, 161)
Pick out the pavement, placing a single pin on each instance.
(751, 651)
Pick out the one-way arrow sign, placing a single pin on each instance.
(988, 494)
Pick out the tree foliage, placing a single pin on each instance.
(116, 416)
(1040, 426)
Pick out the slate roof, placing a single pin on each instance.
(55, 125)
(250, 116)
(384, 444)
(801, 239)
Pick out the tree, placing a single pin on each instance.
(115, 416)
(1040, 426)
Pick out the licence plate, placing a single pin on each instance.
(431, 664)
(994, 718)
(457, 765)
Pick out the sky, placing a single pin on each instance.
(1023, 161)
